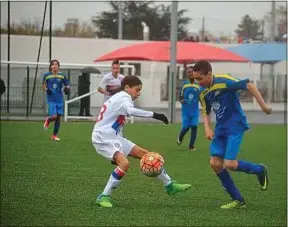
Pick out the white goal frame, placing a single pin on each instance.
(75, 65)
(66, 117)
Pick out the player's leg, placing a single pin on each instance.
(114, 180)
(217, 151)
(170, 186)
(60, 111)
(233, 147)
(52, 114)
(185, 128)
(112, 150)
(56, 128)
(194, 127)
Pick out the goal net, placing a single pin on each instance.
(26, 97)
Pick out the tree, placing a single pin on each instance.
(72, 28)
(249, 28)
(24, 27)
(134, 12)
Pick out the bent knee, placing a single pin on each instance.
(216, 164)
(121, 161)
(124, 165)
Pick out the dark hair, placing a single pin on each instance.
(115, 62)
(131, 81)
(204, 67)
(51, 62)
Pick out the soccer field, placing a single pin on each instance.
(51, 183)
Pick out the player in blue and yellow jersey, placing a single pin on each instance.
(221, 95)
(53, 82)
(189, 96)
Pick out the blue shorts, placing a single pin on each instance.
(55, 108)
(226, 147)
(188, 121)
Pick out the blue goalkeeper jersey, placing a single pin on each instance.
(190, 94)
(223, 97)
(55, 84)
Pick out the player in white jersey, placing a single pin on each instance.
(111, 81)
(112, 146)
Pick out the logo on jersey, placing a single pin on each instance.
(119, 123)
(54, 86)
(216, 106)
(217, 110)
(191, 96)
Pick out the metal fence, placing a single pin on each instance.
(19, 100)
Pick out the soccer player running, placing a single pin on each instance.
(111, 82)
(221, 95)
(189, 96)
(112, 146)
(52, 84)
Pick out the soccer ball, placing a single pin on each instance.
(151, 164)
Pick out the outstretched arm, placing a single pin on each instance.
(146, 114)
(257, 95)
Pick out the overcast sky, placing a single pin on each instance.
(220, 17)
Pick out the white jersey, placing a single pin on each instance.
(110, 81)
(111, 118)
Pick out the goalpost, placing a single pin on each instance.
(94, 78)
(66, 116)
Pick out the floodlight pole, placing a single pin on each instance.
(272, 40)
(120, 20)
(50, 31)
(8, 57)
(173, 62)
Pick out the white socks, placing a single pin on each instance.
(164, 177)
(113, 181)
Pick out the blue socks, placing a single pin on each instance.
(250, 168)
(56, 126)
(193, 136)
(229, 185)
(182, 133)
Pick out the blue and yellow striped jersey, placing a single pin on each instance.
(190, 94)
(55, 84)
(223, 97)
